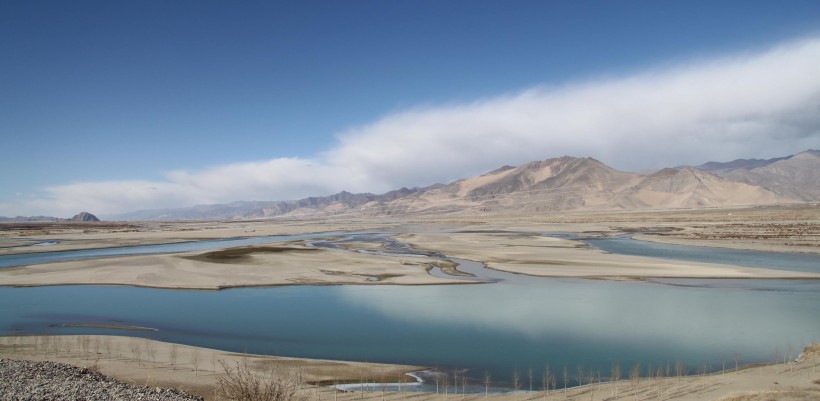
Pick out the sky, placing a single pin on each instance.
(116, 106)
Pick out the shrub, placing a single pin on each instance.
(240, 383)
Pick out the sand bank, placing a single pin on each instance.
(195, 370)
(270, 265)
(105, 235)
(555, 257)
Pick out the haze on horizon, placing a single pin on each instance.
(118, 107)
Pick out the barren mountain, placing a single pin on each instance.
(748, 164)
(797, 177)
(691, 188)
(555, 184)
(84, 216)
(565, 183)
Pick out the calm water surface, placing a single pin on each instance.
(496, 327)
(625, 245)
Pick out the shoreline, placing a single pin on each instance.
(650, 237)
(153, 363)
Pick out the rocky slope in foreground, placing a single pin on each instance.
(30, 380)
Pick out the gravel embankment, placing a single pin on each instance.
(31, 380)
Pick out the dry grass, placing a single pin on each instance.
(791, 394)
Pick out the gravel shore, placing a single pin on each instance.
(31, 380)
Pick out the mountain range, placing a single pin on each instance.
(552, 185)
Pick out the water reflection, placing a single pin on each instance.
(606, 321)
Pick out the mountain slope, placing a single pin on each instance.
(554, 184)
(691, 188)
(748, 164)
(797, 177)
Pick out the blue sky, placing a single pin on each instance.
(113, 106)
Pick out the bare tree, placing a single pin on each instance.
(616, 377)
(529, 374)
(487, 381)
(455, 381)
(545, 380)
(241, 383)
(736, 357)
(516, 380)
(635, 376)
(95, 343)
(108, 347)
(566, 379)
(84, 342)
(151, 352)
(195, 361)
(445, 382)
(680, 370)
(579, 370)
(173, 356)
(136, 351)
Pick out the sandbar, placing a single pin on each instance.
(538, 255)
(271, 265)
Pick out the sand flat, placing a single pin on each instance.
(555, 257)
(259, 266)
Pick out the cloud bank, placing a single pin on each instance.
(762, 104)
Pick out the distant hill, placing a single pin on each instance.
(29, 218)
(80, 217)
(84, 216)
(264, 209)
(795, 177)
(748, 164)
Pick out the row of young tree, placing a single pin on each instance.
(660, 378)
(95, 348)
(565, 378)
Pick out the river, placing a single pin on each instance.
(514, 323)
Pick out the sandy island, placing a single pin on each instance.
(537, 255)
(268, 265)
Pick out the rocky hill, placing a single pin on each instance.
(84, 216)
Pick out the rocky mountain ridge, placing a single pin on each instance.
(547, 186)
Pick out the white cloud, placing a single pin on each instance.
(764, 104)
